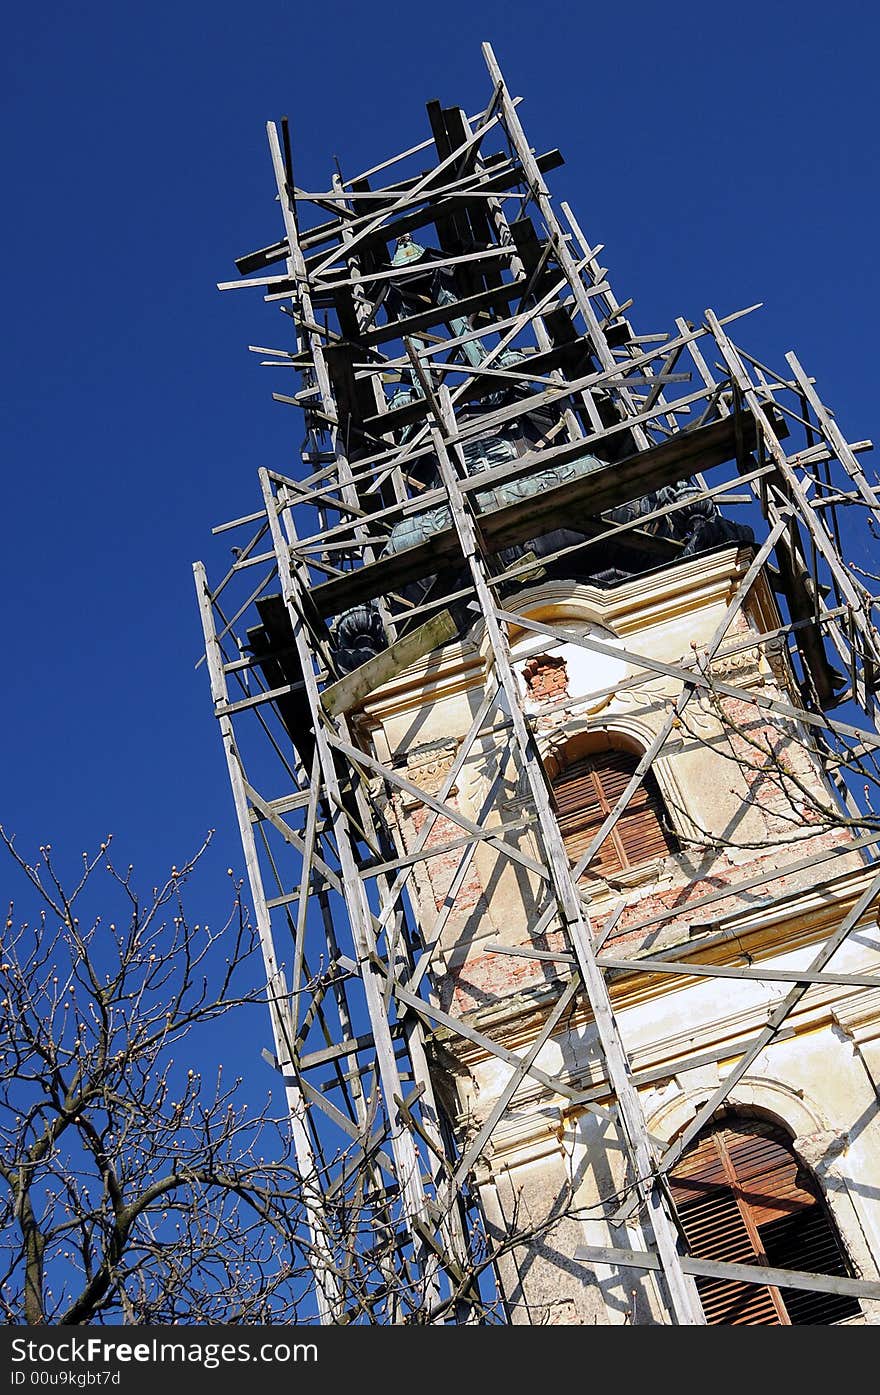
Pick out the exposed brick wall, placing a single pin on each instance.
(546, 677)
(757, 757)
(782, 779)
(484, 978)
(492, 977)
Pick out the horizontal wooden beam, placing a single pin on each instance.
(752, 972)
(479, 383)
(441, 314)
(474, 194)
(743, 1273)
(672, 461)
(573, 504)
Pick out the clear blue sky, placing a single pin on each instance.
(723, 154)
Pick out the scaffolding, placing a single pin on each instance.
(498, 320)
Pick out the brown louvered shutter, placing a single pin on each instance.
(587, 790)
(743, 1198)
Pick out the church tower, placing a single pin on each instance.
(551, 734)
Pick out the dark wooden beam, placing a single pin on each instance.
(670, 462)
(427, 214)
(574, 504)
(573, 358)
(441, 314)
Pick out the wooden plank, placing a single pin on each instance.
(441, 849)
(349, 1046)
(651, 1075)
(443, 314)
(258, 699)
(480, 382)
(387, 574)
(684, 1301)
(285, 805)
(266, 256)
(463, 1029)
(447, 811)
(743, 1273)
(670, 462)
(754, 972)
(305, 881)
(421, 217)
(344, 695)
(520, 570)
(334, 281)
(524, 952)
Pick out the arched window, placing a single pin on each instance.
(587, 788)
(743, 1197)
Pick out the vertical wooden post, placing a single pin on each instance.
(683, 1299)
(276, 989)
(405, 1154)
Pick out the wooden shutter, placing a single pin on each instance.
(587, 790)
(744, 1198)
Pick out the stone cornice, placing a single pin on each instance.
(859, 1017)
(634, 606)
(806, 920)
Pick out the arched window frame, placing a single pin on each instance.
(719, 1235)
(579, 739)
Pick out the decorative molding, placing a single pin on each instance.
(803, 1118)
(858, 1017)
(742, 668)
(528, 1137)
(428, 766)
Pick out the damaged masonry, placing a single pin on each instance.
(548, 695)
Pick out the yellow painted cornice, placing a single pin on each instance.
(671, 592)
(753, 938)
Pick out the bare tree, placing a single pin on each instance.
(808, 783)
(136, 1190)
